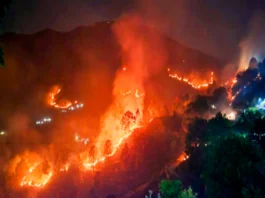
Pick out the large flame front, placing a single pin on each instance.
(30, 169)
(193, 82)
(118, 123)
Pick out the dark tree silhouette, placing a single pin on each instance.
(196, 130)
(234, 167)
(127, 120)
(220, 95)
(108, 148)
(199, 106)
(259, 127)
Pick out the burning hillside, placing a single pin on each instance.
(120, 79)
(39, 166)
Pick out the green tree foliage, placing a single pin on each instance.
(202, 132)
(188, 193)
(170, 188)
(234, 168)
(173, 189)
(217, 126)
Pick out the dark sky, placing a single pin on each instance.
(213, 26)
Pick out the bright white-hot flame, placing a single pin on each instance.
(137, 95)
(231, 116)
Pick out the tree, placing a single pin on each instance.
(234, 167)
(188, 193)
(127, 120)
(199, 106)
(220, 95)
(173, 189)
(196, 130)
(170, 188)
(217, 126)
(108, 148)
(259, 127)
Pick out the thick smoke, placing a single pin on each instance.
(143, 55)
(253, 44)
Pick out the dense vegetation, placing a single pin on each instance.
(227, 157)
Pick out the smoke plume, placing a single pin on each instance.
(142, 56)
(253, 44)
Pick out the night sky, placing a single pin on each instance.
(215, 27)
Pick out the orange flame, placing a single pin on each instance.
(31, 170)
(88, 165)
(191, 82)
(63, 104)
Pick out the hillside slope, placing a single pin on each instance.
(84, 61)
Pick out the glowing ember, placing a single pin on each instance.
(192, 82)
(183, 157)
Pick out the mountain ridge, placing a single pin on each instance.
(84, 61)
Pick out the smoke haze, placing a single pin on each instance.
(210, 25)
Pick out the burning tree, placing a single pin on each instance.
(127, 120)
(108, 148)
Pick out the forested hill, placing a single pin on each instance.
(37, 61)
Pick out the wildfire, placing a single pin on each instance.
(137, 95)
(87, 165)
(231, 116)
(65, 167)
(63, 104)
(31, 170)
(120, 120)
(192, 83)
